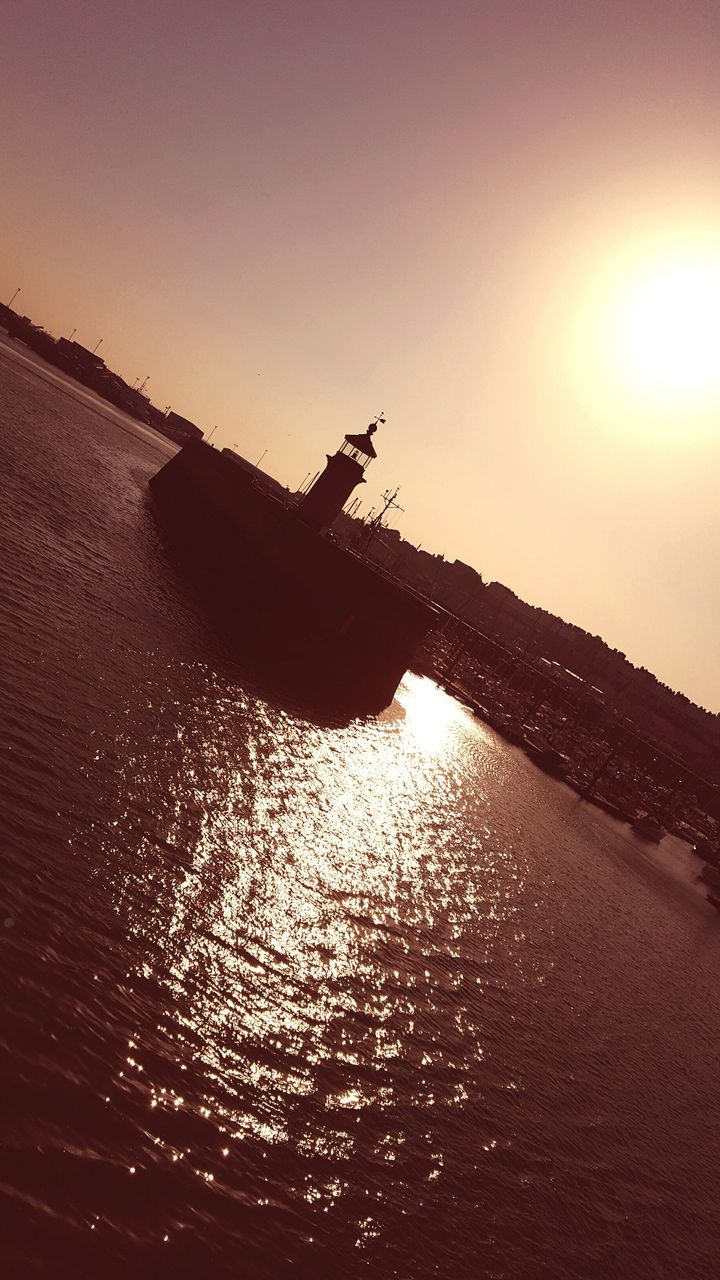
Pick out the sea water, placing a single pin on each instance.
(288, 997)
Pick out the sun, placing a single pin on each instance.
(645, 338)
(665, 330)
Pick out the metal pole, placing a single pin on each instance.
(97, 344)
(14, 296)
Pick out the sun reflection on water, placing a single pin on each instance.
(314, 927)
(432, 717)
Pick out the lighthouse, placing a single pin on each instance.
(344, 471)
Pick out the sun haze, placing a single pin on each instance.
(499, 223)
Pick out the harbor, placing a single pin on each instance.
(336, 998)
(360, 766)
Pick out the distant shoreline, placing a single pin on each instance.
(11, 348)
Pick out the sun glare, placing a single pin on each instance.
(647, 344)
(666, 338)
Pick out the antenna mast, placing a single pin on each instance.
(374, 525)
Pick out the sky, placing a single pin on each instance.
(499, 223)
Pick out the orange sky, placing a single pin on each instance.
(293, 216)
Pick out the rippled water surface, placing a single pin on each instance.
(283, 998)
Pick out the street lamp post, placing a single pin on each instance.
(97, 344)
(14, 296)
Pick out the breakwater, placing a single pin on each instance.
(319, 616)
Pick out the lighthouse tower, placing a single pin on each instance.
(345, 470)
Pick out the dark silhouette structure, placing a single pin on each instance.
(345, 470)
(321, 617)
